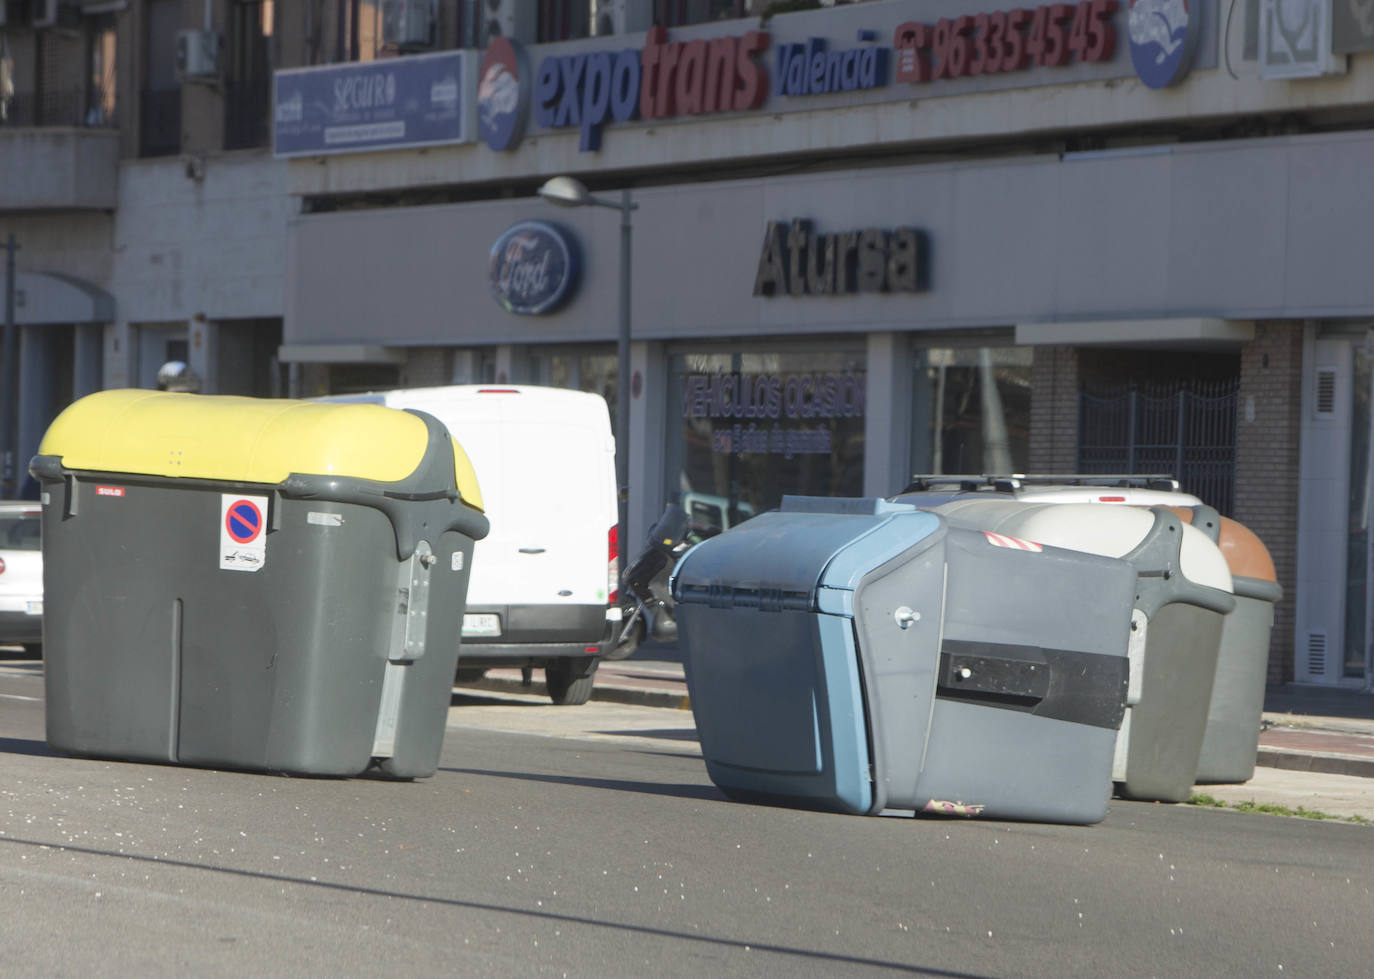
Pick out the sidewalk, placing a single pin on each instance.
(1316, 749)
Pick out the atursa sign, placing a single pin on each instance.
(796, 261)
(662, 80)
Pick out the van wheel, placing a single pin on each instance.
(566, 682)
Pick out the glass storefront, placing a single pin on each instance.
(747, 425)
(1357, 517)
(971, 410)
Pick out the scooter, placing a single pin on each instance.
(644, 585)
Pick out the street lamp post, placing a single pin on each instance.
(569, 192)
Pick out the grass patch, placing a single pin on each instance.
(1268, 809)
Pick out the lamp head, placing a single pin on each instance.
(565, 192)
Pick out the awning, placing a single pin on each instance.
(1198, 331)
(47, 297)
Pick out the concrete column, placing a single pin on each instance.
(119, 364)
(648, 423)
(87, 372)
(203, 353)
(887, 420)
(37, 388)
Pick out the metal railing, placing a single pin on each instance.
(1189, 431)
(68, 107)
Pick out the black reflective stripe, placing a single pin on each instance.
(1084, 688)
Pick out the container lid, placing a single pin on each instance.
(779, 559)
(1245, 553)
(253, 440)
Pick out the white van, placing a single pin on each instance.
(543, 586)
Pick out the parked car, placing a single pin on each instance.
(543, 591)
(21, 575)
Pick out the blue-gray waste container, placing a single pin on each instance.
(859, 655)
(1183, 595)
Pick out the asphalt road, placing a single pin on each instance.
(589, 842)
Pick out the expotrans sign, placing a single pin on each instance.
(949, 47)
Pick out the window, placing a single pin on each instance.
(100, 74)
(160, 101)
(564, 20)
(680, 13)
(248, 82)
(971, 410)
(746, 427)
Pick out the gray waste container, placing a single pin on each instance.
(243, 583)
(1183, 593)
(1231, 744)
(859, 655)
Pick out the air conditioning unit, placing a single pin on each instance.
(61, 14)
(409, 24)
(197, 53)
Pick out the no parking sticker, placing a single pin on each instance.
(242, 532)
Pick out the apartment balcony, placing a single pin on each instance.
(57, 154)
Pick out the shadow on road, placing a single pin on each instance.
(691, 938)
(667, 734)
(676, 791)
(25, 746)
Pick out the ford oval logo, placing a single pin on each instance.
(533, 268)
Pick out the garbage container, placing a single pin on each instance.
(1183, 594)
(860, 655)
(1231, 742)
(257, 584)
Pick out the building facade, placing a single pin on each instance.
(867, 241)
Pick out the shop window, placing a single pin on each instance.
(971, 408)
(596, 373)
(744, 428)
(248, 78)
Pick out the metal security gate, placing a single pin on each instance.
(1186, 429)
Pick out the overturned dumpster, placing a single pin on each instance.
(1183, 593)
(257, 584)
(1234, 717)
(860, 655)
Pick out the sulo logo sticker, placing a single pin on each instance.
(242, 532)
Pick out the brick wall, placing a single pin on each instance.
(1267, 439)
(1054, 410)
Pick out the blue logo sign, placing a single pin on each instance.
(533, 268)
(502, 94)
(1163, 36)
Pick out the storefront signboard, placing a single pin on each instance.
(422, 100)
(797, 261)
(855, 55)
(533, 268)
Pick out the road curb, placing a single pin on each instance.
(1325, 762)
